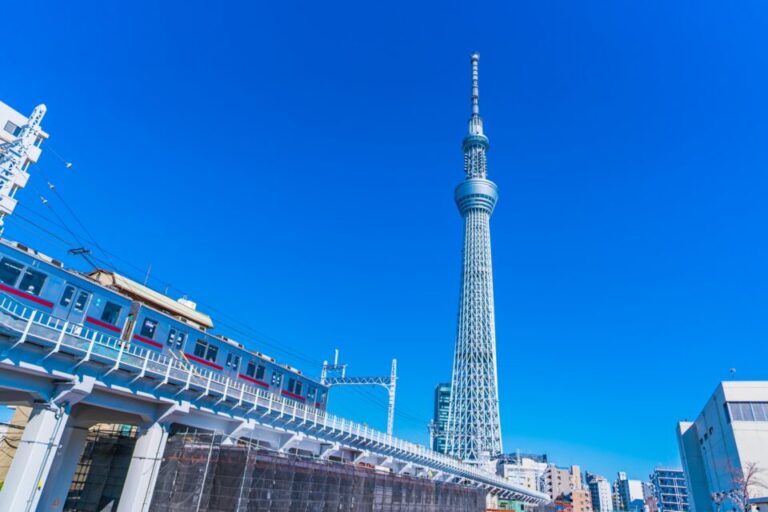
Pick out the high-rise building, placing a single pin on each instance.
(670, 490)
(440, 417)
(726, 445)
(20, 141)
(557, 481)
(581, 500)
(600, 490)
(628, 494)
(474, 427)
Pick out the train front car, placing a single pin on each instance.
(35, 280)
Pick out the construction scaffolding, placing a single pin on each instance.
(199, 472)
(203, 471)
(101, 472)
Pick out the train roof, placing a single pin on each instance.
(150, 297)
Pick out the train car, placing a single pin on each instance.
(175, 327)
(42, 282)
(117, 306)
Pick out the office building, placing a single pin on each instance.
(726, 442)
(670, 490)
(440, 416)
(600, 491)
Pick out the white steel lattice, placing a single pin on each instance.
(473, 432)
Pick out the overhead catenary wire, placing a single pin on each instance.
(368, 395)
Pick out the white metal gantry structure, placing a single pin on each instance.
(473, 432)
(336, 375)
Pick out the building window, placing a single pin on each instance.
(111, 313)
(176, 338)
(82, 301)
(748, 411)
(148, 328)
(32, 282)
(12, 128)
(233, 361)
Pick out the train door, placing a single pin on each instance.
(72, 304)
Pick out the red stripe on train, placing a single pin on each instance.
(105, 325)
(203, 361)
(255, 381)
(293, 395)
(26, 296)
(147, 341)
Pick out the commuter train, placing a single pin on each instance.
(125, 309)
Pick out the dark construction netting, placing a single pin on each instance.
(199, 473)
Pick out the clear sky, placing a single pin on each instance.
(293, 165)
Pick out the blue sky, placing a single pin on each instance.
(293, 165)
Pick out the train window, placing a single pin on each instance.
(311, 394)
(66, 297)
(206, 351)
(176, 337)
(294, 386)
(256, 371)
(32, 282)
(213, 351)
(10, 271)
(233, 361)
(111, 313)
(148, 328)
(82, 300)
(277, 379)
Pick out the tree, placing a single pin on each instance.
(746, 484)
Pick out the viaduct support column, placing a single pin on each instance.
(33, 460)
(142, 473)
(63, 469)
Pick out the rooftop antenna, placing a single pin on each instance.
(336, 375)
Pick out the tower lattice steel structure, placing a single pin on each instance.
(473, 433)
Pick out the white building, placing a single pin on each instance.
(524, 471)
(20, 141)
(729, 435)
(600, 489)
(630, 492)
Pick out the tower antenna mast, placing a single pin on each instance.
(473, 430)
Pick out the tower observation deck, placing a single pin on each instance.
(473, 432)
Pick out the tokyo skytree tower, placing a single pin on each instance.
(473, 432)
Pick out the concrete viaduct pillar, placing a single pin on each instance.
(63, 469)
(33, 460)
(39, 448)
(145, 465)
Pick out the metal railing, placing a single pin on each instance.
(95, 345)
